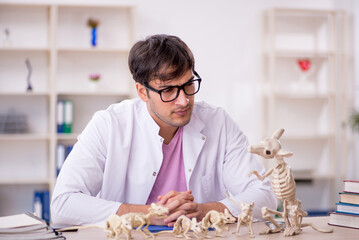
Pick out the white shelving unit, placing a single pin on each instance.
(309, 104)
(56, 40)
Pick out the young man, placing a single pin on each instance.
(163, 147)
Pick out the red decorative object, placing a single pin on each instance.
(304, 64)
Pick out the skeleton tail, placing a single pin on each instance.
(236, 203)
(158, 233)
(78, 227)
(328, 230)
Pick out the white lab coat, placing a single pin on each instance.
(119, 153)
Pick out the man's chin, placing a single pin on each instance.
(181, 123)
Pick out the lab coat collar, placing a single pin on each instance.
(147, 120)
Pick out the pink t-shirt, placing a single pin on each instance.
(171, 175)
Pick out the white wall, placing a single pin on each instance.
(353, 166)
(225, 36)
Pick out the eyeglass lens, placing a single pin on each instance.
(171, 93)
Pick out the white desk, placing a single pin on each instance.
(339, 233)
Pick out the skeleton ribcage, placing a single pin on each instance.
(280, 185)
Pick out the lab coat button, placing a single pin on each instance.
(161, 140)
(189, 170)
(154, 173)
(203, 138)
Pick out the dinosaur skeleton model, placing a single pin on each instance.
(183, 225)
(115, 225)
(217, 220)
(283, 186)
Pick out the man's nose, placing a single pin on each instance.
(182, 98)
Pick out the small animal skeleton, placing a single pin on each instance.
(115, 225)
(217, 220)
(138, 220)
(283, 186)
(245, 218)
(183, 225)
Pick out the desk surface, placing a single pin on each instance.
(307, 233)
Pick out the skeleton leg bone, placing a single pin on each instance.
(250, 229)
(237, 229)
(266, 214)
(328, 230)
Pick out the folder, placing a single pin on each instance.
(41, 203)
(68, 116)
(60, 116)
(60, 157)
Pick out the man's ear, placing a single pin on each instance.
(141, 92)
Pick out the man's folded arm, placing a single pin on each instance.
(81, 209)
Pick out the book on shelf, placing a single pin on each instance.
(351, 186)
(26, 226)
(349, 197)
(344, 220)
(41, 204)
(347, 208)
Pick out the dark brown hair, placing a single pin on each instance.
(153, 57)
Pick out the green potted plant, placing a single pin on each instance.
(354, 119)
(94, 79)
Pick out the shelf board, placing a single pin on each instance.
(96, 5)
(67, 136)
(26, 94)
(301, 54)
(24, 136)
(98, 93)
(303, 12)
(304, 95)
(31, 181)
(24, 49)
(308, 137)
(92, 50)
(312, 175)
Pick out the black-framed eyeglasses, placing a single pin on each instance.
(169, 94)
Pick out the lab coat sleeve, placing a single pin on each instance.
(74, 200)
(236, 168)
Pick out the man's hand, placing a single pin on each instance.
(179, 203)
